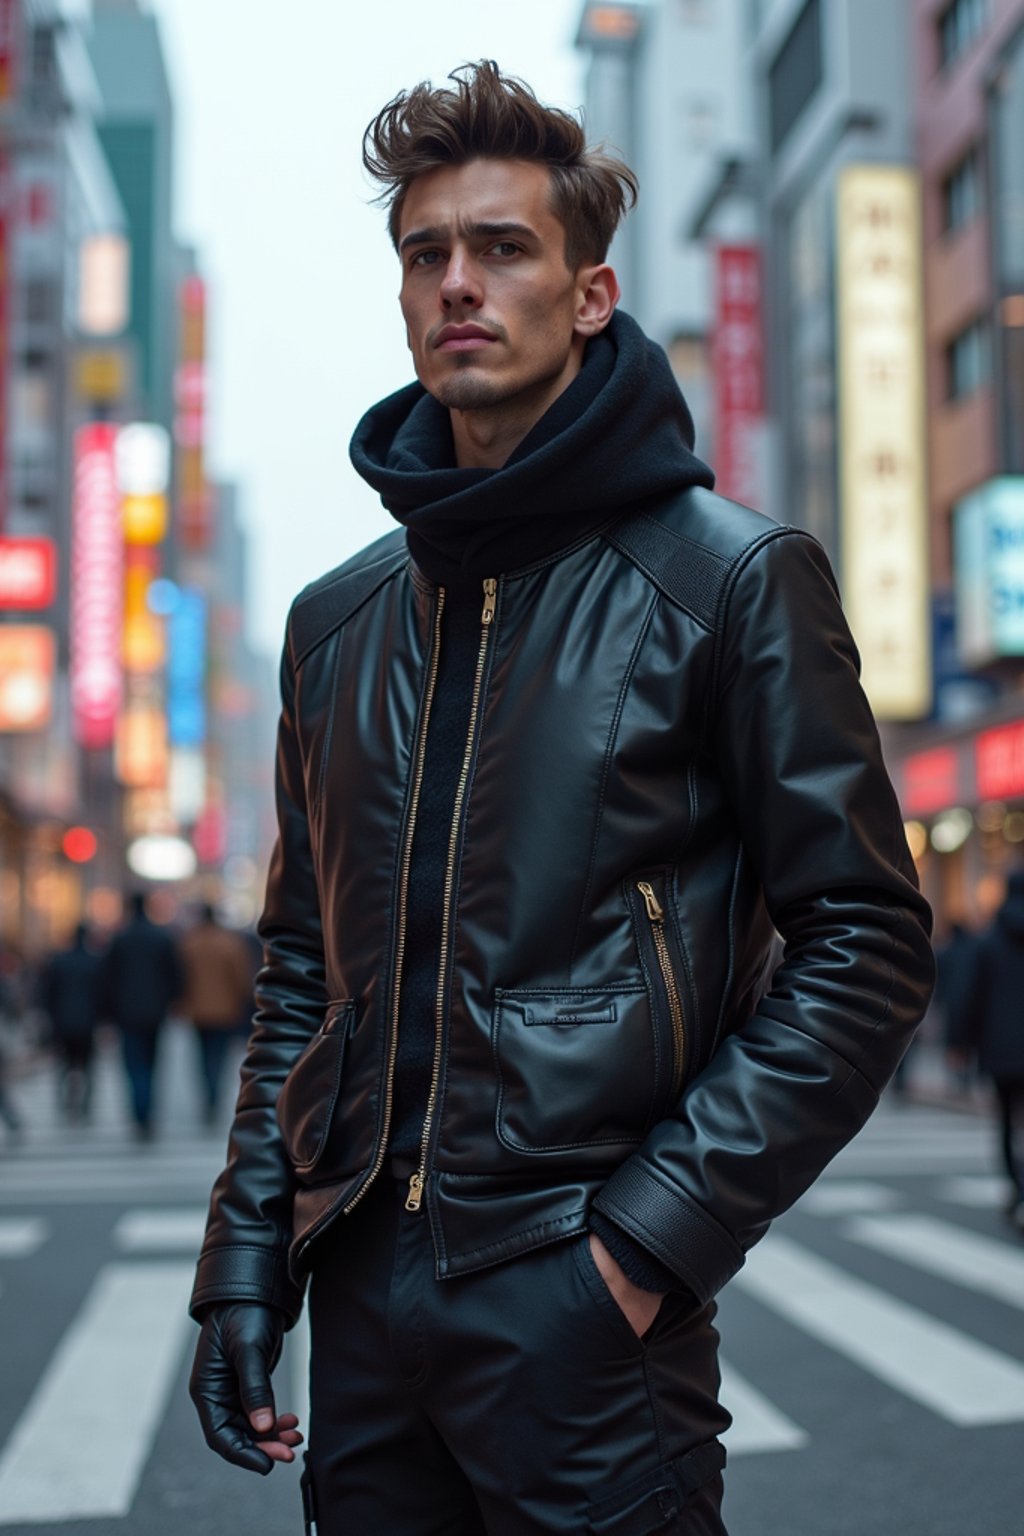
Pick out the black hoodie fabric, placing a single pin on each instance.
(621, 433)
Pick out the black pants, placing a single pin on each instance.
(1010, 1098)
(511, 1402)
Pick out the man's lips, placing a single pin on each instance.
(462, 338)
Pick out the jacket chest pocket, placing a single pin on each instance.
(309, 1095)
(576, 1068)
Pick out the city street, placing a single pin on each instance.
(873, 1347)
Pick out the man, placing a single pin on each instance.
(142, 979)
(71, 995)
(552, 763)
(218, 985)
(985, 1024)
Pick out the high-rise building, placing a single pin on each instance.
(663, 87)
(136, 129)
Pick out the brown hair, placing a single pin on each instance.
(489, 115)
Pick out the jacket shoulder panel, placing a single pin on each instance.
(328, 602)
(689, 545)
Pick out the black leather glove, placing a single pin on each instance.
(239, 1346)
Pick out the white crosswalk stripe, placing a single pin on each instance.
(20, 1236)
(962, 1380)
(982, 1264)
(99, 1402)
(841, 1197)
(160, 1231)
(757, 1425)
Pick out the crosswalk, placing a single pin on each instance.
(841, 1273)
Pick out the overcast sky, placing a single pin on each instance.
(272, 101)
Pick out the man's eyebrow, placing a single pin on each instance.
(492, 229)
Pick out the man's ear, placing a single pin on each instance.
(597, 293)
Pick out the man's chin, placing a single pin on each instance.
(470, 390)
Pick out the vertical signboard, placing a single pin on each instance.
(6, 257)
(96, 587)
(10, 21)
(882, 481)
(739, 399)
(190, 420)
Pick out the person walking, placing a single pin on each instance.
(142, 977)
(987, 1026)
(10, 1008)
(71, 995)
(218, 987)
(556, 759)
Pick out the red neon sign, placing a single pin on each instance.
(999, 762)
(97, 590)
(931, 781)
(28, 573)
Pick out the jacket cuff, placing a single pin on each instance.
(637, 1264)
(678, 1231)
(246, 1272)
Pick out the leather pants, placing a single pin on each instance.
(509, 1402)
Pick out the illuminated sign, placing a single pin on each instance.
(194, 506)
(608, 24)
(101, 376)
(988, 541)
(103, 285)
(186, 670)
(143, 459)
(28, 573)
(739, 401)
(6, 266)
(96, 587)
(999, 762)
(9, 21)
(28, 659)
(140, 748)
(881, 380)
(931, 781)
(143, 642)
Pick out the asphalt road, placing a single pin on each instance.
(873, 1347)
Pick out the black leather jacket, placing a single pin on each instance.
(670, 759)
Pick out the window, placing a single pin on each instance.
(968, 361)
(962, 193)
(959, 24)
(795, 74)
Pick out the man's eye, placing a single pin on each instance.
(426, 258)
(505, 248)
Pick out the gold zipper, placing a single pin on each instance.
(414, 1198)
(403, 897)
(656, 915)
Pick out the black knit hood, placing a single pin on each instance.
(619, 434)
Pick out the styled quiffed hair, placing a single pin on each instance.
(488, 115)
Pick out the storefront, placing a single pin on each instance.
(963, 801)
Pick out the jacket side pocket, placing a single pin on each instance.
(309, 1095)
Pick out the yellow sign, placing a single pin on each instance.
(100, 375)
(882, 453)
(145, 519)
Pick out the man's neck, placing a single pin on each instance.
(487, 439)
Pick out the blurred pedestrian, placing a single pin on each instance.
(142, 977)
(988, 1024)
(954, 983)
(218, 988)
(71, 996)
(9, 1010)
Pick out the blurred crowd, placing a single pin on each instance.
(124, 990)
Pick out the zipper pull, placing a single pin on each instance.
(655, 910)
(490, 590)
(414, 1199)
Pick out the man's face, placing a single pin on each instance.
(490, 306)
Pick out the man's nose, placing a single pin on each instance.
(461, 285)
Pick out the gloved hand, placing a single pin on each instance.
(239, 1346)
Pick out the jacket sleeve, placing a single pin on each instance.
(798, 752)
(245, 1251)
